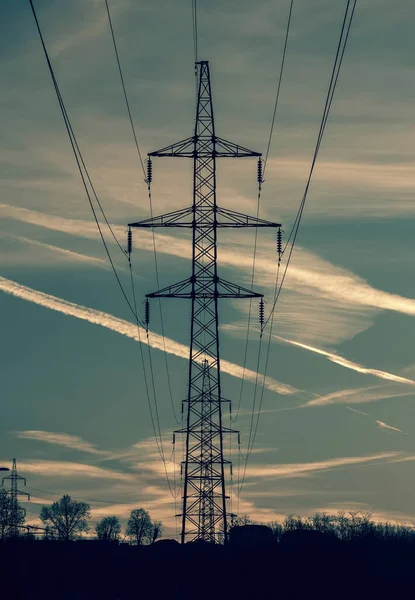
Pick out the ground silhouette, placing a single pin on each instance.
(301, 564)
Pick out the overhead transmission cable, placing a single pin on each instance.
(154, 421)
(261, 181)
(124, 89)
(195, 44)
(194, 23)
(343, 39)
(277, 96)
(80, 163)
(347, 22)
(83, 171)
(30, 487)
(148, 182)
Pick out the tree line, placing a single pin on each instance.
(67, 519)
(344, 526)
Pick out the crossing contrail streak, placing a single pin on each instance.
(317, 277)
(348, 364)
(128, 329)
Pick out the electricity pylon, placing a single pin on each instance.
(204, 510)
(17, 513)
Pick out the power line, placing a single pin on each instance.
(344, 35)
(254, 428)
(194, 22)
(71, 132)
(30, 487)
(234, 419)
(279, 85)
(124, 89)
(156, 431)
(260, 182)
(147, 179)
(329, 98)
(80, 162)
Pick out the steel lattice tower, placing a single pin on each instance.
(16, 511)
(204, 511)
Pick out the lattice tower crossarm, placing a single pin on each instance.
(204, 510)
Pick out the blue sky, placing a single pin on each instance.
(337, 426)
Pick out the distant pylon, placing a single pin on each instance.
(16, 511)
(207, 506)
(204, 513)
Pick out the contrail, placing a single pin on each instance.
(76, 256)
(317, 277)
(128, 329)
(380, 424)
(348, 364)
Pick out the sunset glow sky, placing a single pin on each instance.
(338, 419)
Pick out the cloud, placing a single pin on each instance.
(77, 227)
(64, 469)
(57, 251)
(61, 439)
(129, 330)
(360, 395)
(380, 424)
(360, 174)
(305, 469)
(331, 319)
(348, 364)
(383, 425)
(358, 412)
(95, 28)
(298, 316)
(143, 467)
(308, 274)
(378, 516)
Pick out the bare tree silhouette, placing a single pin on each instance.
(109, 528)
(139, 527)
(157, 531)
(68, 517)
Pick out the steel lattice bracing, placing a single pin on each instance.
(207, 509)
(204, 513)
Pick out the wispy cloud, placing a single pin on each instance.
(290, 470)
(360, 395)
(378, 516)
(348, 364)
(95, 28)
(66, 254)
(347, 173)
(309, 274)
(383, 425)
(380, 424)
(128, 329)
(65, 469)
(61, 439)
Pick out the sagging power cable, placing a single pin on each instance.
(83, 171)
(194, 23)
(80, 163)
(277, 96)
(261, 173)
(154, 418)
(341, 47)
(124, 89)
(147, 179)
(344, 36)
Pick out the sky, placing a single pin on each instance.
(337, 423)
